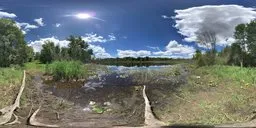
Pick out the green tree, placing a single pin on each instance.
(236, 54)
(64, 53)
(251, 38)
(78, 49)
(48, 52)
(12, 44)
(30, 54)
(240, 36)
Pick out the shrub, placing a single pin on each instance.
(66, 70)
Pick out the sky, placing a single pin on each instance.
(129, 28)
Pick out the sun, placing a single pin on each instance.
(83, 16)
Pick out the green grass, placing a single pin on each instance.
(10, 81)
(10, 76)
(233, 73)
(214, 95)
(66, 70)
(35, 67)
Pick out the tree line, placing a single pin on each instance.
(77, 50)
(15, 51)
(241, 53)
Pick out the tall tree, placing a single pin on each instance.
(240, 36)
(235, 55)
(251, 38)
(12, 44)
(78, 49)
(48, 52)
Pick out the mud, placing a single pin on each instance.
(120, 95)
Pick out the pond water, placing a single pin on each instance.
(118, 79)
(119, 86)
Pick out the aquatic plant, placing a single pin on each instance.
(66, 70)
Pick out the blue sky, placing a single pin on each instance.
(120, 28)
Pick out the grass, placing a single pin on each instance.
(66, 70)
(35, 67)
(214, 95)
(10, 81)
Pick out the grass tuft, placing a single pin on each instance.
(66, 70)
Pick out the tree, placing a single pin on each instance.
(13, 48)
(208, 39)
(236, 54)
(251, 38)
(78, 49)
(240, 36)
(197, 55)
(30, 54)
(48, 52)
(64, 53)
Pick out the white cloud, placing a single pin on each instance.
(39, 21)
(7, 15)
(220, 19)
(176, 50)
(111, 37)
(131, 53)
(57, 25)
(94, 38)
(25, 27)
(37, 44)
(98, 51)
(166, 17)
(154, 48)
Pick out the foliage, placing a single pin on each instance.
(48, 52)
(66, 70)
(76, 50)
(242, 52)
(13, 48)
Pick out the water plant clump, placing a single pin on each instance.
(66, 70)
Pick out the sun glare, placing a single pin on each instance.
(83, 16)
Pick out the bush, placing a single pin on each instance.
(66, 70)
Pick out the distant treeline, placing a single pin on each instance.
(139, 61)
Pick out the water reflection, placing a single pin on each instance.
(119, 76)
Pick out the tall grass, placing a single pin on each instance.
(66, 70)
(10, 76)
(247, 75)
(34, 67)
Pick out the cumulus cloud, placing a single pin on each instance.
(37, 44)
(98, 51)
(94, 38)
(39, 21)
(132, 53)
(57, 25)
(25, 27)
(176, 50)
(220, 19)
(7, 15)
